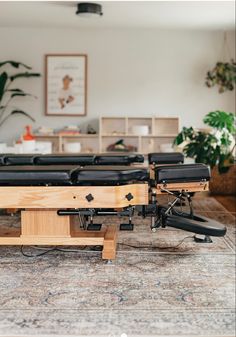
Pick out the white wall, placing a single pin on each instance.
(130, 72)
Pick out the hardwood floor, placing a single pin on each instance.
(228, 201)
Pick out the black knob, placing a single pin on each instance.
(89, 197)
(129, 196)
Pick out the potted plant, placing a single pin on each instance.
(213, 147)
(223, 75)
(8, 92)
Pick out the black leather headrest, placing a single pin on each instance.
(182, 173)
(165, 158)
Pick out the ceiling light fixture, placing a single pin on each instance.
(89, 9)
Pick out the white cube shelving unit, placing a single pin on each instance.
(161, 130)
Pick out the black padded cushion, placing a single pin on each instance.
(19, 159)
(181, 173)
(2, 156)
(36, 175)
(70, 175)
(165, 158)
(100, 175)
(70, 159)
(65, 159)
(117, 159)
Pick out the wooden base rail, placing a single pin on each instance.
(45, 227)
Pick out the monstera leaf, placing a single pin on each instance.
(220, 120)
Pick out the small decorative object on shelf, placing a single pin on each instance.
(91, 130)
(142, 130)
(69, 130)
(28, 142)
(72, 147)
(45, 130)
(119, 146)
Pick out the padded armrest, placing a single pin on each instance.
(64, 159)
(111, 159)
(182, 173)
(165, 158)
(36, 175)
(102, 175)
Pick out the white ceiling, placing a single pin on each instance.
(121, 14)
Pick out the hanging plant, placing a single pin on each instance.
(223, 75)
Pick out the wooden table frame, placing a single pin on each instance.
(41, 225)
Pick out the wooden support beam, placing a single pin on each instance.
(45, 227)
(73, 196)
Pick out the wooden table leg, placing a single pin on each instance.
(109, 245)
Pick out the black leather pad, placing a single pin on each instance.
(118, 159)
(165, 158)
(65, 159)
(100, 175)
(2, 156)
(36, 175)
(70, 175)
(70, 159)
(19, 159)
(181, 173)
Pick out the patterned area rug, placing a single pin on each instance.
(154, 287)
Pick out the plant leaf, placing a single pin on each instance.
(14, 90)
(220, 120)
(21, 94)
(3, 81)
(15, 64)
(24, 75)
(21, 112)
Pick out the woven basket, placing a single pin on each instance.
(224, 183)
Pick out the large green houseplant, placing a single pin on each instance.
(8, 92)
(213, 147)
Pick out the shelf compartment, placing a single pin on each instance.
(153, 144)
(133, 121)
(89, 143)
(166, 126)
(54, 139)
(128, 140)
(110, 125)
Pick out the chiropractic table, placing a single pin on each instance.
(53, 192)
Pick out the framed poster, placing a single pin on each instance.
(66, 84)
